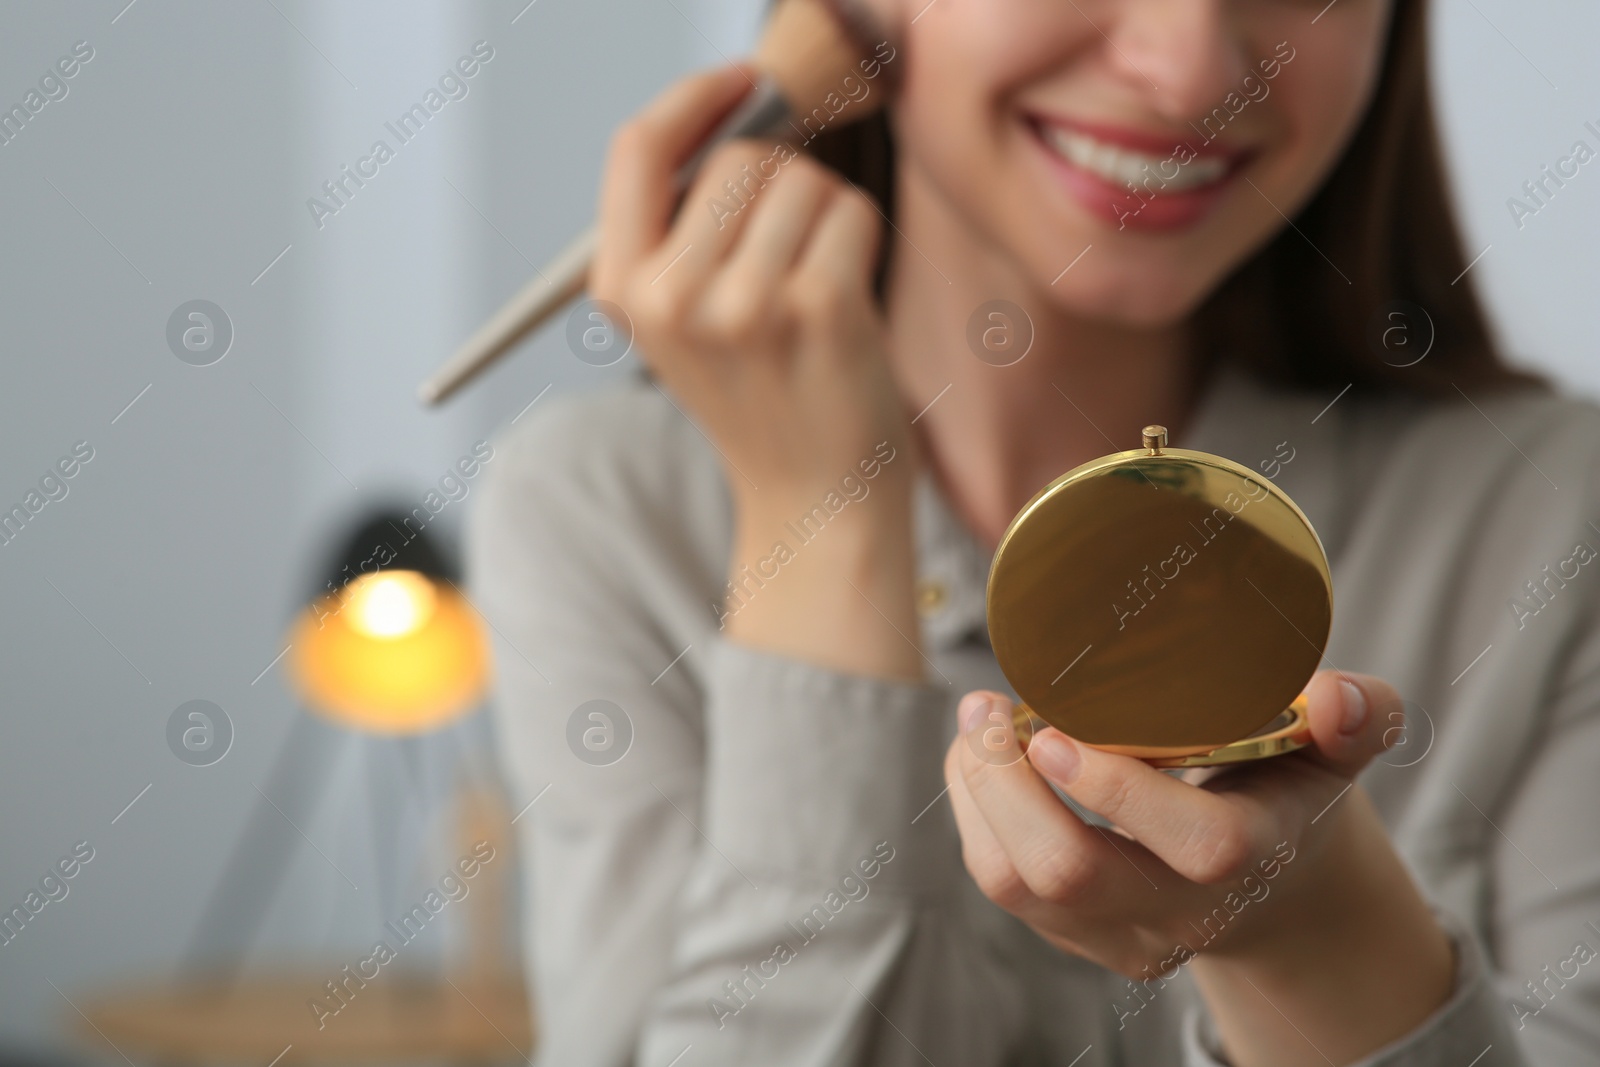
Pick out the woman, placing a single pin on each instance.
(739, 601)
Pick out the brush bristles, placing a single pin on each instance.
(810, 47)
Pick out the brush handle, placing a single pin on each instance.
(763, 111)
(562, 279)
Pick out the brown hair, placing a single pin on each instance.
(1382, 216)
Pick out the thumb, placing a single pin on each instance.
(1354, 717)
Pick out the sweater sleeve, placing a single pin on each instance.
(1544, 898)
(1470, 1028)
(1530, 996)
(1527, 990)
(598, 761)
(822, 927)
(746, 855)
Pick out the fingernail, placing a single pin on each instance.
(1354, 715)
(1056, 757)
(972, 710)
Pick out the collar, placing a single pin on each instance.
(1293, 437)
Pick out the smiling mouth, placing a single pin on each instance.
(1136, 160)
(1127, 167)
(1135, 178)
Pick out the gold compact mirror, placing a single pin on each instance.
(1165, 604)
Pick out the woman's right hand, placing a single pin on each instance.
(757, 316)
(756, 312)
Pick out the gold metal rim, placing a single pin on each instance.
(1290, 731)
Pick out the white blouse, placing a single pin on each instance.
(739, 858)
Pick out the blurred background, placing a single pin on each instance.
(234, 456)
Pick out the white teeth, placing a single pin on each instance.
(1136, 170)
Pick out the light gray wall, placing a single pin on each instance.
(177, 168)
(181, 161)
(1517, 83)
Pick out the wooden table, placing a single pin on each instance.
(268, 1020)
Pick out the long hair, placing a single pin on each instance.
(1311, 307)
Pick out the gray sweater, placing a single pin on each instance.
(739, 858)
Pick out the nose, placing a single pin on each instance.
(1183, 56)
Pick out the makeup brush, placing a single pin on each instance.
(814, 55)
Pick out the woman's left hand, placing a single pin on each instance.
(1276, 871)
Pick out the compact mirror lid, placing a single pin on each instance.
(1159, 602)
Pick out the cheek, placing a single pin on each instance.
(965, 61)
(955, 121)
(1319, 98)
(936, 114)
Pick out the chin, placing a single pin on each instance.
(1133, 288)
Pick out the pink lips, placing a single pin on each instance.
(1151, 208)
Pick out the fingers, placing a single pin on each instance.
(1053, 854)
(1031, 855)
(764, 237)
(790, 248)
(640, 193)
(844, 250)
(668, 288)
(739, 305)
(1354, 717)
(1205, 836)
(831, 289)
(743, 211)
(986, 860)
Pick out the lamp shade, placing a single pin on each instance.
(395, 649)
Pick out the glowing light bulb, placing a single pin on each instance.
(390, 604)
